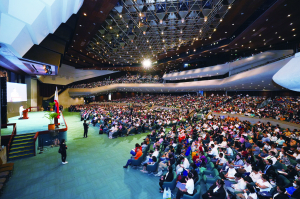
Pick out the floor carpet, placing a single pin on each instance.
(95, 169)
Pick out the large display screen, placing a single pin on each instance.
(16, 92)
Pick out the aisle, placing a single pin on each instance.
(95, 169)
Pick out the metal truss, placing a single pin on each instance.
(139, 29)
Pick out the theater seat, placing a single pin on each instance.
(195, 196)
(171, 184)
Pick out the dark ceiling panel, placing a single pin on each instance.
(271, 28)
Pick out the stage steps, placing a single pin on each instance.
(22, 146)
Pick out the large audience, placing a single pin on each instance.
(199, 152)
(121, 80)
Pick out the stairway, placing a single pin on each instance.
(22, 146)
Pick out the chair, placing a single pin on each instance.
(209, 169)
(138, 161)
(212, 177)
(284, 181)
(171, 184)
(152, 168)
(195, 196)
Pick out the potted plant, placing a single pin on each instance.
(50, 116)
(51, 104)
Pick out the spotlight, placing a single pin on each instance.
(146, 63)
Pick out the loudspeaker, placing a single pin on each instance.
(3, 90)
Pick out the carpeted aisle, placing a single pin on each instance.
(95, 169)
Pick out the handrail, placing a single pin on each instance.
(33, 107)
(263, 64)
(14, 132)
(46, 132)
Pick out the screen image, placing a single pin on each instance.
(16, 92)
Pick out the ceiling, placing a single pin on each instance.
(118, 35)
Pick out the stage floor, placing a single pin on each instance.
(36, 122)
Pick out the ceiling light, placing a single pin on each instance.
(205, 18)
(294, 35)
(146, 63)
(221, 20)
(229, 7)
(293, 29)
(289, 15)
(233, 24)
(84, 14)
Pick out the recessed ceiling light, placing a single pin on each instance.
(233, 24)
(84, 14)
(289, 15)
(293, 29)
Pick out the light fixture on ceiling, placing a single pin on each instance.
(146, 63)
(84, 14)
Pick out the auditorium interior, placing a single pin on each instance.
(134, 99)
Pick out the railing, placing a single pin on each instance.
(32, 108)
(14, 132)
(46, 132)
(263, 64)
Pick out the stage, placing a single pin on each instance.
(36, 123)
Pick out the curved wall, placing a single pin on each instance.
(255, 79)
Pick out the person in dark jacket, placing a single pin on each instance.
(166, 178)
(85, 128)
(63, 151)
(216, 191)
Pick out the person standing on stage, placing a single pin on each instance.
(21, 109)
(85, 128)
(63, 151)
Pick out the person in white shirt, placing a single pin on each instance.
(255, 175)
(214, 152)
(21, 109)
(272, 157)
(239, 187)
(251, 195)
(264, 184)
(231, 172)
(229, 151)
(221, 161)
(189, 187)
(223, 144)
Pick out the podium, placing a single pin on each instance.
(25, 114)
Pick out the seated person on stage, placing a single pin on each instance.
(138, 154)
(189, 187)
(216, 191)
(166, 178)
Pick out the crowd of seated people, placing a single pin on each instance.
(280, 108)
(121, 80)
(227, 156)
(230, 157)
(118, 121)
